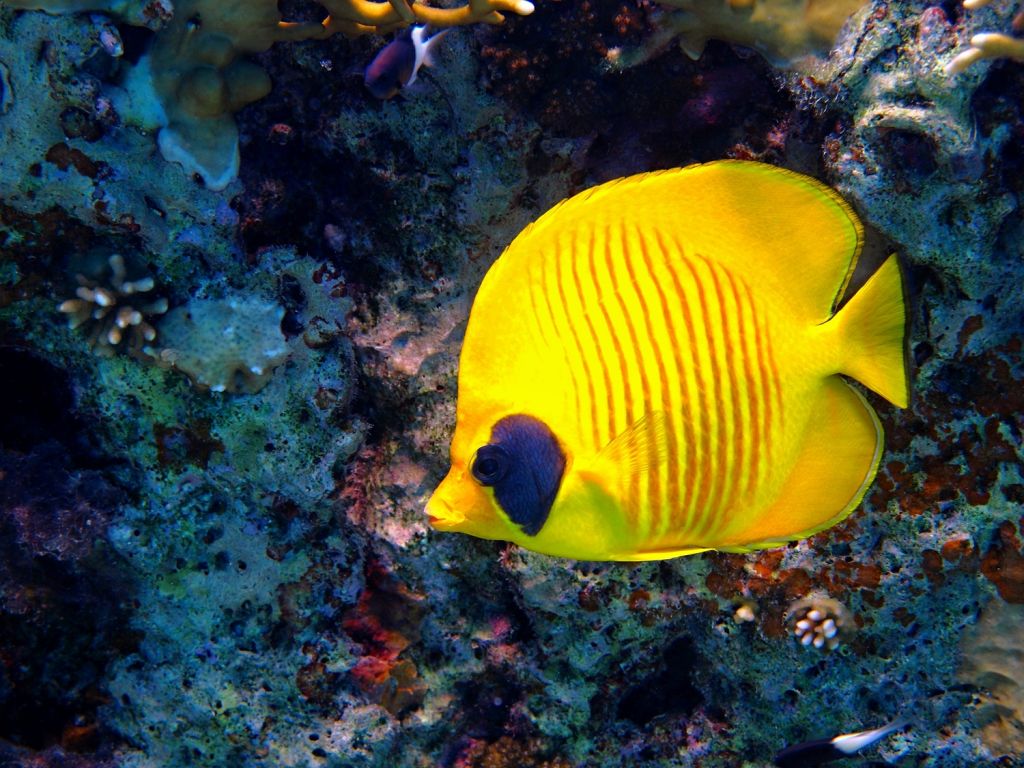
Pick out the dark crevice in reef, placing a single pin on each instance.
(64, 614)
(301, 188)
(669, 690)
(485, 706)
(36, 402)
(37, 406)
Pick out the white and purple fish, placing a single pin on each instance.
(398, 62)
(821, 751)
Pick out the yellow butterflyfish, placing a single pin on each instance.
(655, 368)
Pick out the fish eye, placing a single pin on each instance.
(490, 464)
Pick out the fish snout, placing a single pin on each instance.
(460, 504)
(440, 514)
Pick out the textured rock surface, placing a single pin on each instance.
(278, 598)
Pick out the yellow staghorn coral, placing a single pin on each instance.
(789, 33)
(784, 31)
(989, 45)
(358, 17)
(195, 75)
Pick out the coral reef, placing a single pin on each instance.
(787, 32)
(909, 153)
(195, 75)
(989, 45)
(67, 191)
(64, 603)
(247, 578)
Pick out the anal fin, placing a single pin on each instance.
(662, 553)
(835, 467)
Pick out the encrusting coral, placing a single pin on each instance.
(195, 75)
(225, 345)
(905, 129)
(989, 45)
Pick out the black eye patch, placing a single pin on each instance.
(524, 464)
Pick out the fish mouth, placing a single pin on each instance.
(442, 523)
(441, 516)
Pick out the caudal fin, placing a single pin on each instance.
(873, 323)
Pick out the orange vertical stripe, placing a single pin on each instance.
(762, 367)
(776, 383)
(731, 473)
(689, 400)
(712, 382)
(670, 404)
(654, 498)
(752, 391)
(702, 502)
(540, 291)
(599, 440)
(568, 329)
(622, 370)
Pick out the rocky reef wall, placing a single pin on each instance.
(212, 545)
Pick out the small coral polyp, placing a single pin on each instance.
(116, 312)
(818, 621)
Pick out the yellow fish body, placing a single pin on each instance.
(651, 369)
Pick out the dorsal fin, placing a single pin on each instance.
(772, 225)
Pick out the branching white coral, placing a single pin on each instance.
(989, 45)
(117, 311)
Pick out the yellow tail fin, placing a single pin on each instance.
(873, 325)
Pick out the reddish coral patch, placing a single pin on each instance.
(385, 622)
(958, 549)
(963, 462)
(931, 563)
(1003, 564)
(65, 157)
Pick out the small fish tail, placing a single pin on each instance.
(430, 46)
(851, 743)
(873, 323)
